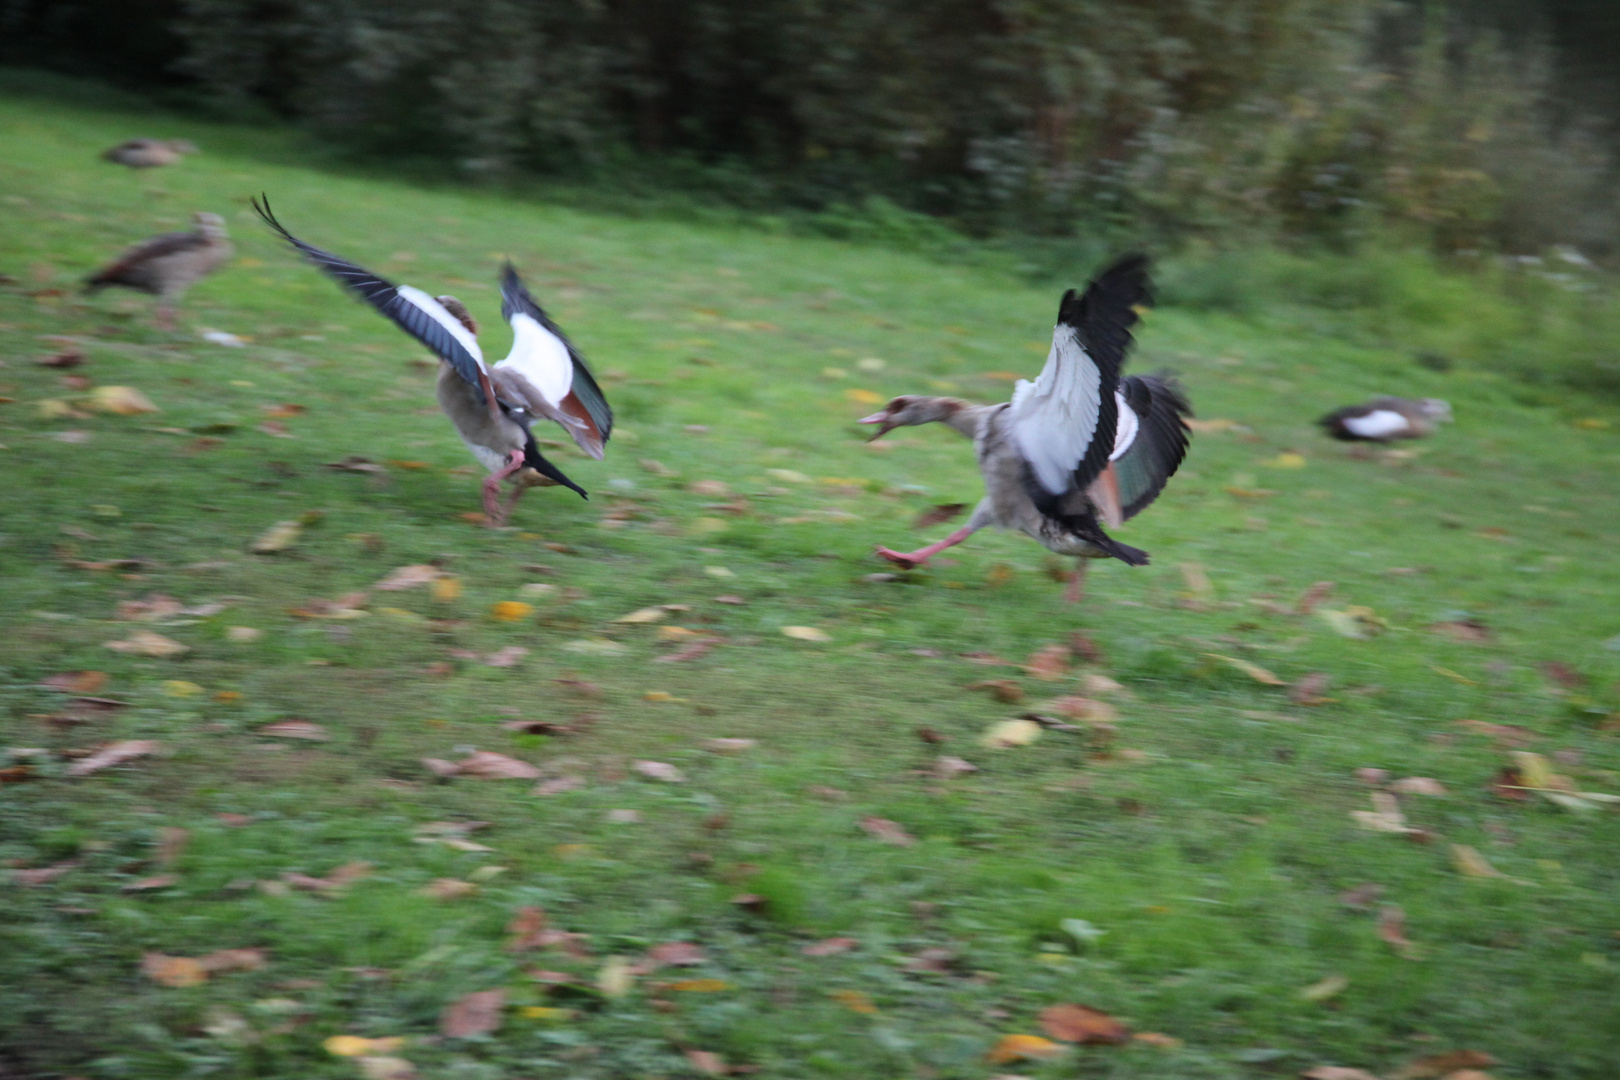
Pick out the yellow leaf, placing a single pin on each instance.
(855, 1001)
(1253, 671)
(658, 695)
(1023, 1048)
(643, 615)
(181, 688)
(1010, 733)
(121, 401)
(545, 1012)
(1332, 986)
(1535, 769)
(1287, 460)
(278, 537)
(615, 978)
(511, 610)
(1470, 862)
(863, 397)
(446, 588)
(700, 986)
(146, 643)
(355, 1045)
(806, 633)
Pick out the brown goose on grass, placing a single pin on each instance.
(149, 153)
(1078, 448)
(167, 265)
(492, 407)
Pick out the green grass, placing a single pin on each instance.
(1210, 839)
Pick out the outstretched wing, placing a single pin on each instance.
(1064, 423)
(412, 310)
(1152, 442)
(548, 362)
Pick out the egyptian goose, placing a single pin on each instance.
(492, 408)
(1386, 419)
(168, 265)
(149, 153)
(1076, 449)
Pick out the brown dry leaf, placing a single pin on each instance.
(1314, 595)
(1471, 863)
(729, 746)
(153, 607)
(1385, 816)
(176, 971)
(1101, 684)
(1418, 785)
(1253, 671)
(120, 401)
(294, 729)
(1392, 929)
(226, 960)
(510, 656)
(830, 946)
(644, 615)
(947, 767)
(1050, 662)
(707, 1062)
(558, 785)
(806, 633)
(1562, 674)
(890, 832)
(1155, 1038)
(1336, 1072)
(1467, 630)
(690, 651)
(528, 929)
(676, 954)
(1083, 1024)
(113, 754)
(478, 1013)
(1003, 690)
(161, 881)
(75, 682)
(1443, 1064)
(1087, 709)
(409, 577)
(938, 515)
(448, 889)
(284, 410)
(278, 537)
(1509, 736)
(146, 643)
(488, 765)
(1308, 690)
(355, 463)
(1010, 1048)
(659, 770)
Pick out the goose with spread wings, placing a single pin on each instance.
(493, 407)
(1079, 448)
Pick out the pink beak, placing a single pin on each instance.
(877, 418)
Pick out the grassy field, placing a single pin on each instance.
(1199, 817)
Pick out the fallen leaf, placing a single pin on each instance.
(120, 401)
(511, 610)
(1010, 1048)
(478, 1013)
(1050, 662)
(113, 754)
(175, 971)
(890, 832)
(615, 978)
(729, 746)
(284, 410)
(1392, 929)
(149, 609)
(1418, 785)
(448, 889)
(938, 515)
(1356, 622)
(1197, 582)
(947, 767)
(1313, 596)
(488, 765)
(1444, 1064)
(1330, 987)
(806, 633)
(75, 682)
(558, 785)
(161, 881)
(830, 946)
(1010, 733)
(855, 1001)
(409, 577)
(707, 1062)
(1253, 671)
(1362, 896)
(1564, 675)
(1385, 816)
(1084, 708)
(510, 656)
(1336, 1072)
(1308, 690)
(243, 633)
(278, 537)
(1508, 735)
(147, 643)
(355, 1045)
(659, 770)
(294, 729)
(227, 960)
(1468, 630)
(1003, 690)
(1100, 684)
(644, 615)
(1471, 863)
(1154, 1038)
(676, 954)
(1084, 1025)
(385, 1068)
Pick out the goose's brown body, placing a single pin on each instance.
(168, 265)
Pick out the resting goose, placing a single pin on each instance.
(168, 265)
(1386, 419)
(1076, 449)
(492, 408)
(149, 153)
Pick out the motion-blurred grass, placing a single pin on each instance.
(1209, 838)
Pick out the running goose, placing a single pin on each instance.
(168, 265)
(1078, 448)
(1386, 419)
(492, 407)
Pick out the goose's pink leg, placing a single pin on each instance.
(1076, 588)
(912, 559)
(492, 489)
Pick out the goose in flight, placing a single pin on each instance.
(492, 407)
(1078, 448)
(167, 265)
(1386, 419)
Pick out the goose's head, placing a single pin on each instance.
(910, 409)
(210, 225)
(1435, 409)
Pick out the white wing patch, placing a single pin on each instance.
(436, 311)
(541, 358)
(1376, 424)
(1055, 417)
(1129, 425)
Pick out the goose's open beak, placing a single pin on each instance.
(878, 418)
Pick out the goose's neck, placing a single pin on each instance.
(953, 412)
